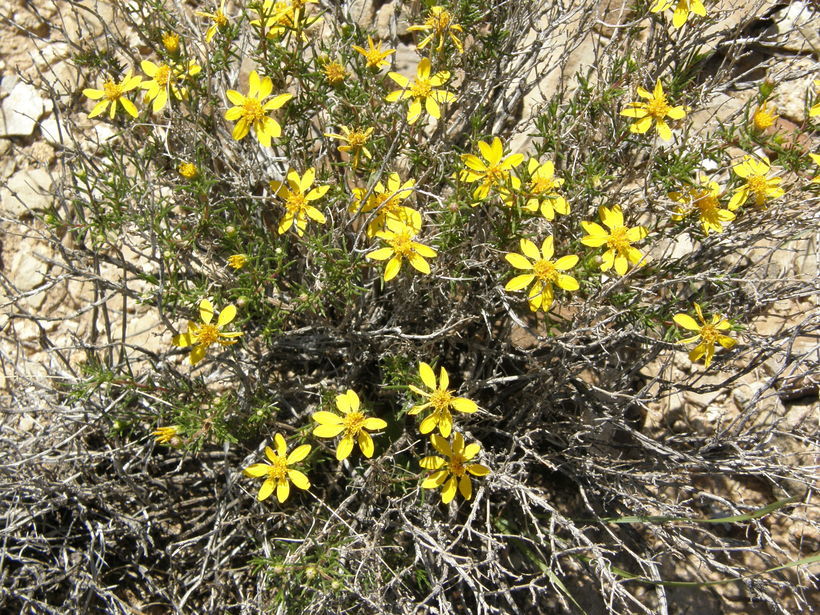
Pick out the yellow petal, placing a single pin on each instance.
(686, 321)
(428, 376)
(226, 316)
(366, 444)
(281, 446)
(374, 424)
(328, 431)
(283, 490)
(518, 261)
(344, 448)
(462, 404)
(392, 268)
(299, 479)
(327, 418)
(429, 423)
(448, 492)
(476, 469)
(465, 487)
(431, 462)
(266, 489)
(519, 282)
(257, 470)
(435, 479)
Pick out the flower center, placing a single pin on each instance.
(757, 184)
(335, 72)
(171, 42)
(373, 57)
(658, 108)
(278, 468)
(709, 334)
(220, 19)
(163, 75)
(421, 88)
(112, 90)
(540, 185)
(296, 202)
(618, 239)
(456, 465)
(353, 423)
(208, 334)
(495, 175)
(402, 244)
(763, 119)
(545, 271)
(440, 399)
(252, 110)
(440, 22)
(356, 139)
(707, 204)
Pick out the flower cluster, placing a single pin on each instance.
(381, 207)
(450, 472)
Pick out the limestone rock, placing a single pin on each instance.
(794, 83)
(26, 190)
(20, 109)
(27, 270)
(361, 12)
(795, 28)
(54, 131)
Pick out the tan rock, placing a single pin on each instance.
(26, 190)
(28, 270)
(21, 109)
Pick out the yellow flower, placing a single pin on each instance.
(619, 239)
(495, 172)
(763, 118)
(335, 73)
(424, 89)
(400, 246)
(440, 399)
(219, 19)
(188, 170)
(278, 472)
(353, 423)
(279, 18)
(816, 159)
(297, 194)
(452, 470)
(251, 110)
(439, 23)
(356, 142)
(275, 17)
(704, 200)
(373, 55)
(758, 186)
(544, 273)
(164, 79)
(656, 109)
(384, 203)
(201, 336)
(708, 334)
(237, 261)
(543, 190)
(815, 108)
(682, 9)
(170, 40)
(164, 435)
(111, 94)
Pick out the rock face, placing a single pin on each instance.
(26, 190)
(21, 108)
